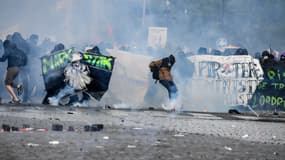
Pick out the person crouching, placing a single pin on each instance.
(76, 78)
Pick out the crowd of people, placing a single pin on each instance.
(23, 54)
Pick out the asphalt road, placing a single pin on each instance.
(138, 134)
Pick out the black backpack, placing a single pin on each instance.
(20, 58)
(155, 72)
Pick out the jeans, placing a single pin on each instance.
(171, 88)
(65, 91)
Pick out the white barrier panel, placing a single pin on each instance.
(130, 77)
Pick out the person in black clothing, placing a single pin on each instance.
(57, 47)
(10, 54)
(267, 60)
(94, 50)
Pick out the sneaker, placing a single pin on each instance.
(53, 101)
(13, 101)
(20, 90)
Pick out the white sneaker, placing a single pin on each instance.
(167, 107)
(53, 101)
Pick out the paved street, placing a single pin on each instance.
(138, 134)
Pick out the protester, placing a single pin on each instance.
(267, 60)
(76, 78)
(20, 42)
(241, 51)
(257, 55)
(164, 76)
(94, 50)
(202, 51)
(57, 47)
(1, 46)
(282, 60)
(282, 57)
(15, 59)
(184, 68)
(216, 52)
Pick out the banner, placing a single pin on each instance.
(157, 37)
(225, 80)
(100, 67)
(270, 93)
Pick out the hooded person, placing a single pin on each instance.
(20, 42)
(165, 78)
(282, 57)
(76, 78)
(267, 60)
(57, 47)
(281, 61)
(14, 57)
(95, 50)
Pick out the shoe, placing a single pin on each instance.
(20, 90)
(53, 101)
(13, 101)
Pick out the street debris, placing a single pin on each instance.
(99, 146)
(41, 129)
(228, 148)
(245, 136)
(14, 128)
(32, 145)
(179, 135)
(106, 137)
(93, 127)
(276, 153)
(26, 129)
(57, 127)
(6, 127)
(53, 142)
(137, 128)
(96, 127)
(86, 128)
(132, 146)
(71, 129)
(26, 126)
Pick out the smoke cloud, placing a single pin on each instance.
(252, 24)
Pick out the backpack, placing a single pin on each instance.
(155, 72)
(20, 58)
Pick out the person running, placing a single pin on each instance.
(163, 67)
(15, 61)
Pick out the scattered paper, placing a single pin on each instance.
(132, 146)
(137, 128)
(245, 136)
(53, 142)
(228, 148)
(32, 145)
(178, 135)
(99, 146)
